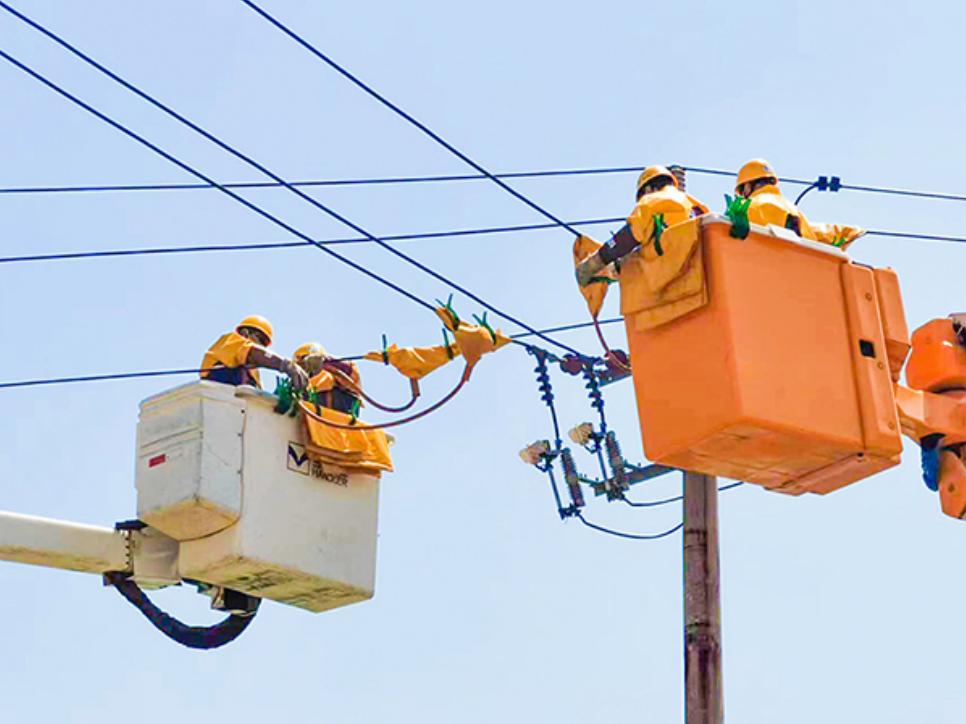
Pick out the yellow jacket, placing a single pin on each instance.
(230, 352)
(769, 206)
(658, 286)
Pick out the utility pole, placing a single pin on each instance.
(702, 602)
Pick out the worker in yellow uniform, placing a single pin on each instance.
(659, 201)
(758, 182)
(336, 382)
(235, 356)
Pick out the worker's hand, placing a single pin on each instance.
(588, 269)
(297, 375)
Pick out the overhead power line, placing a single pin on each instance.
(377, 181)
(406, 116)
(256, 246)
(250, 161)
(449, 178)
(47, 381)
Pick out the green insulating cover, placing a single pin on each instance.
(737, 212)
(659, 226)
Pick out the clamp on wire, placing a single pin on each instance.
(822, 183)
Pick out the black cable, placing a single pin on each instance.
(632, 536)
(254, 164)
(154, 251)
(443, 178)
(675, 499)
(380, 181)
(406, 116)
(240, 199)
(810, 187)
(194, 370)
(287, 244)
(194, 637)
(920, 237)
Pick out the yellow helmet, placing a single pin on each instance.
(756, 168)
(257, 322)
(309, 348)
(652, 172)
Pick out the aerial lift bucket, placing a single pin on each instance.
(236, 484)
(785, 377)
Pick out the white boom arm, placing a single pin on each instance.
(151, 557)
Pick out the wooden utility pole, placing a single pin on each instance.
(702, 602)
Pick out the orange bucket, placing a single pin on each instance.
(784, 378)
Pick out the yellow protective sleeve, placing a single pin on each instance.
(594, 293)
(416, 362)
(359, 450)
(473, 340)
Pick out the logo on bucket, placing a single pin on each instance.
(297, 460)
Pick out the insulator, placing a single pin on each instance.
(570, 477)
(616, 460)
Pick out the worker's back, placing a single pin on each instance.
(770, 207)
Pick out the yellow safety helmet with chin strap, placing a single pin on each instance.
(755, 169)
(306, 350)
(652, 172)
(258, 322)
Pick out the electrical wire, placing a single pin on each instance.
(406, 116)
(194, 370)
(254, 164)
(155, 251)
(675, 499)
(240, 199)
(379, 181)
(631, 536)
(447, 178)
(97, 254)
(917, 236)
(637, 536)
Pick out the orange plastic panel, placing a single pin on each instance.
(894, 325)
(880, 422)
(952, 484)
(938, 361)
(760, 384)
(929, 413)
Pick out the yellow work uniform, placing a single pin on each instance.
(226, 359)
(769, 206)
(337, 393)
(662, 280)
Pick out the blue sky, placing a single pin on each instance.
(487, 607)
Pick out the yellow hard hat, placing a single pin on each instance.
(309, 348)
(756, 168)
(652, 172)
(260, 323)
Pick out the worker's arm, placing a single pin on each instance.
(261, 357)
(619, 246)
